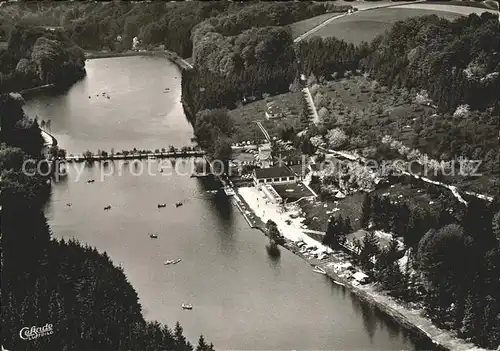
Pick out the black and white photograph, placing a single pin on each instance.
(250, 175)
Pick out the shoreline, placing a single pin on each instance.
(173, 57)
(411, 320)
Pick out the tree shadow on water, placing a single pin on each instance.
(368, 314)
(273, 251)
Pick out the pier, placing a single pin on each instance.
(137, 156)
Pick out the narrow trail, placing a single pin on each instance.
(368, 8)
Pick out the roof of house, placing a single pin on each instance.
(359, 276)
(299, 170)
(273, 172)
(265, 147)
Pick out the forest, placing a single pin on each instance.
(244, 53)
(77, 289)
(97, 25)
(454, 265)
(36, 56)
(456, 62)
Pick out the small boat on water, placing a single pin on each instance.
(162, 205)
(68, 204)
(187, 306)
(318, 269)
(153, 236)
(179, 204)
(338, 283)
(168, 262)
(107, 207)
(90, 180)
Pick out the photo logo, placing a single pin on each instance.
(34, 332)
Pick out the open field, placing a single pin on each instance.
(245, 118)
(301, 27)
(366, 25)
(465, 9)
(317, 213)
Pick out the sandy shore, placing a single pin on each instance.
(268, 211)
(253, 205)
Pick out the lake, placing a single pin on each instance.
(242, 298)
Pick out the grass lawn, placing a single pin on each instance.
(459, 7)
(366, 25)
(301, 27)
(317, 214)
(245, 118)
(413, 196)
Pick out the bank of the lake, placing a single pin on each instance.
(172, 56)
(257, 213)
(242, 298)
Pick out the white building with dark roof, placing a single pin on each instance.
(273, 111)
(274, 175)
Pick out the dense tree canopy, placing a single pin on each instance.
(36, 57)
(242, 53)
(77, 289)
(456, 62)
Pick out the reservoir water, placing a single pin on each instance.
(242, 298)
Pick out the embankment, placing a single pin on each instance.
(172, 56)
(410, 319)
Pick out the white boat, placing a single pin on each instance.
(166, 263)
(318, 269)
(338, 283)
(187, 306)
(229, 191)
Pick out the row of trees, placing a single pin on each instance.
(213, 130)
(88, 300)
(329, 57)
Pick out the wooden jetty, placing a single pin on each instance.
(136, 156)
